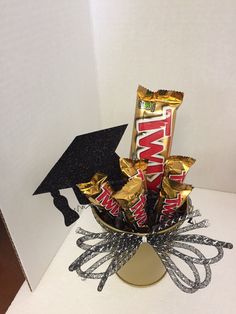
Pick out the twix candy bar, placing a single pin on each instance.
(176, 167)
(131, 168)
(153, 130)
(132, 197)
(99, 193)
(172, 196)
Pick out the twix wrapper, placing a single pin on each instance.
(132, 197)
(176, 167)
(99, 193)
(153, 130)
(172, 196)
(131, 168)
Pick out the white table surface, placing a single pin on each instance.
(61, 291)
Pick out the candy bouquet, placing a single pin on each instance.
(149, 203)
(151, 193)
(141, 199)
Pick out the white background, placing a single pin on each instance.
(47, 84)
(183, 45)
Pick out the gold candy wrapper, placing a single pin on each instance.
(172, 196)
(176, 167)
(153, 130)
(130, 192)
(99, 192)
(132, 198)
(132, 168)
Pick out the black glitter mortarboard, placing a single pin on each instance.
(86, 155)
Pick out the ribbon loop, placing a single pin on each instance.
(119, 247)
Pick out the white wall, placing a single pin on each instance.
(47, 89)
(184, 45)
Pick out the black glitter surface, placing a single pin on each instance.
(86, 155)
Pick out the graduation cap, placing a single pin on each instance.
(86, 155)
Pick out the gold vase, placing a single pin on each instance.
(145, 267)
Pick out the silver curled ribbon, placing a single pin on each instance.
(120, 247)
